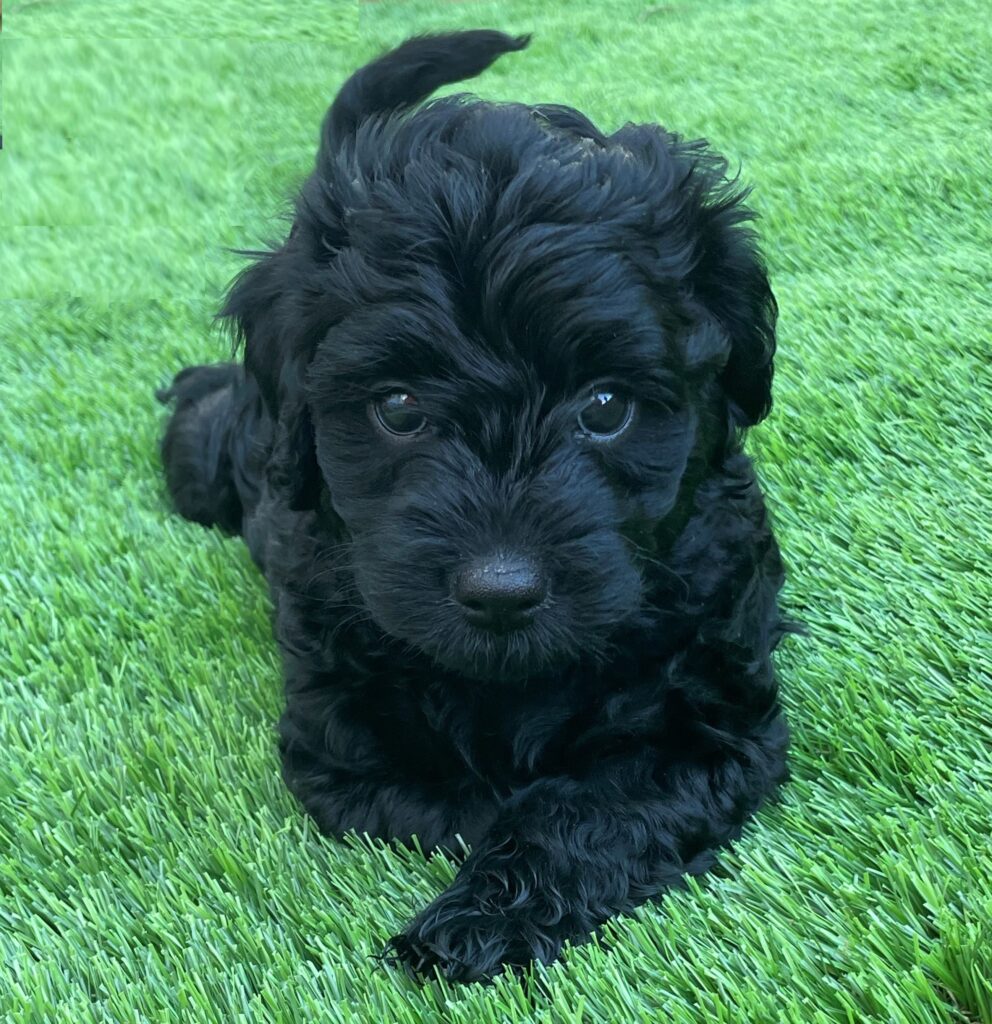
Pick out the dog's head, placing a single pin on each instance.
(505, 348)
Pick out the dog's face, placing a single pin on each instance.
(499, 488)
(515, 346)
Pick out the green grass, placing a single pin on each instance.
(152, 867)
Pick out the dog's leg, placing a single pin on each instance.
(566, 854)
(213, 446)
(439, 816)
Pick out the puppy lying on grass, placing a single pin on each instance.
(485, 445)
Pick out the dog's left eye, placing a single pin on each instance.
(398, 413)
(606, 415)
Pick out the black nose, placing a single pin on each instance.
(500, 593)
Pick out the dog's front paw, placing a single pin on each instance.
(464, 941)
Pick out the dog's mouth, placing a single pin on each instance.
(512, 656)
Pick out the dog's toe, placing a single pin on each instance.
(425, 961)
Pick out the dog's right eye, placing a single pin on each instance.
(606, 415)
(398, 414)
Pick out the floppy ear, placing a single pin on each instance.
(276, 359)
(702, 214)
(731, 281)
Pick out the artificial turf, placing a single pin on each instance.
(152, 866)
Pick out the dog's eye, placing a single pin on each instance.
(398, 413)
(606, 415)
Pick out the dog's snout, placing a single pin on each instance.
(500, 593)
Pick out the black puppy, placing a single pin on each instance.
(485, 446)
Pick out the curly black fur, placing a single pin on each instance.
(497, 261)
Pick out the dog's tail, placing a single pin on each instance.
(410, 73)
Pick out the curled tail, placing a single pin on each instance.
(410, 73)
